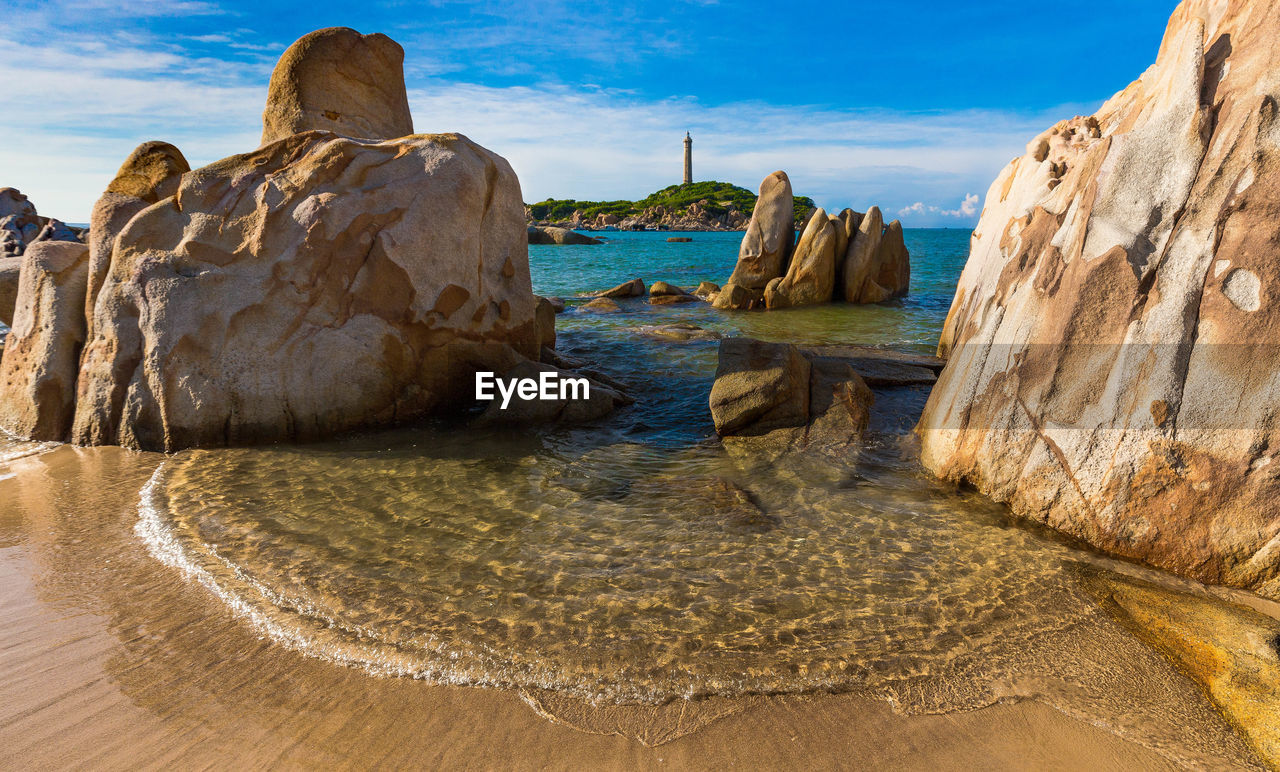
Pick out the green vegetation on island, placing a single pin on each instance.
(720, 196)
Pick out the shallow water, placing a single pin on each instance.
(635, 561)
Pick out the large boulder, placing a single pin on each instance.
(338, 80)
(550, 234)
(42, 350)
(811, 276)
(787, 399)
(766, 246)
(150, 173)
(315, 285)
(1112, 366)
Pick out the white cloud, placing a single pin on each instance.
(967, 211)
(102, 95)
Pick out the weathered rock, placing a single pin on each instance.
(21, 225)
(600, 306)
(545, 318)
(150, 173)
(601, 401)
(767, 243)
(707, 498)
(1112, 362)
(42, 350)
(338, 80)
(549, 234)
(773, 391)
(556, 303)
(759, 387)
(1231, 651)
(669, 300)
(10, 270)
(846, 225)
(631, 289)
(706, 288)
(811, 275)
(316, 285)
(660, 288)
(735, 297)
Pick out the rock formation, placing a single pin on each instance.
(1112, 340)
(315, 285)
(876, 266)
(791, 401)
(600, 305)
(150, 173)
(21, 225)
(811, 276)
(42, 350)
(338, 80)
(548, 234)
(767, 243)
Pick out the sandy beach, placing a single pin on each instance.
(111, 660)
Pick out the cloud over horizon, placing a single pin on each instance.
(103, 93)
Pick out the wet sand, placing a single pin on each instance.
(112, 660)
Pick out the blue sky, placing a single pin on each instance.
(914, 106)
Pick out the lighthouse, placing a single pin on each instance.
(688, 159)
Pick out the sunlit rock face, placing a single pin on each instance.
(1113, 340)
(315, 285)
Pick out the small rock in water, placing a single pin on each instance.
(662, 288)
(706, 288)
(679, 240)
(600, 306)
(667, 300)
(735, 297)
(631, 289)
(556, 303)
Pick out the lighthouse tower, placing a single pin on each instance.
(688, 159)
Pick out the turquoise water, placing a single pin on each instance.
(937, 258)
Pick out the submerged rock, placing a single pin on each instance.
(600, 306)
(667, 300)
(338, 80)
(362, 293)
(1112, 340)
(766, 246)
(629, 289)
(773, 392)
(42, 351)
(1231, 651)
(712, 499)
(679, 331)
(549, 234)
(679, 240)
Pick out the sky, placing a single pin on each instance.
(913, 106)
